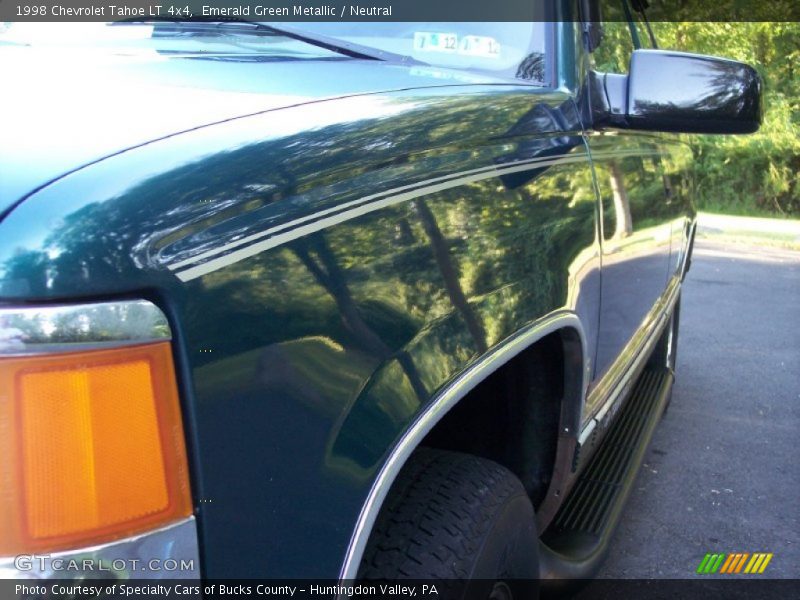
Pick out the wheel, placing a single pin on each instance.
(461, 522)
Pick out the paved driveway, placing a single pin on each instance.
(723, 471)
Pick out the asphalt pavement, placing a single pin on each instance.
(722, 473)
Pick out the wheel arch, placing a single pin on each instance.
(568, 326)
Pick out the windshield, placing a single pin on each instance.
(513, 50)
(178, 38)
(506, 49)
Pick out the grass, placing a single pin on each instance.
(753, 230)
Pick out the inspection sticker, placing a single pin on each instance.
(472, 45)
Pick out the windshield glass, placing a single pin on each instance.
(506, 49)
(181, 38)
(513, 50)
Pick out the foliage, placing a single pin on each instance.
(752, 174)
(756, 173)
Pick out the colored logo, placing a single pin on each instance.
(735, 563)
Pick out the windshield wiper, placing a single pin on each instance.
(315, 39)
(341, 46)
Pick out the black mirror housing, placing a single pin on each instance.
(679, 92)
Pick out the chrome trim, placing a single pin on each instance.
(587, 430)
(26, 330)
(230, 253)
(670, 362)
(176, 542)
(431, 415)
(287, 232)
(620, 381)
(687, 249)
(457, 178)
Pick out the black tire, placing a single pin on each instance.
(461, 522)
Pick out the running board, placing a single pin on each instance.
(574, 545)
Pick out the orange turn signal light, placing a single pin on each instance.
(91, 447)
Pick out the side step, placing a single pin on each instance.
(574, 545)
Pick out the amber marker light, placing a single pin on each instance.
(91, 447)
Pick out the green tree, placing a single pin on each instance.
(751, 174)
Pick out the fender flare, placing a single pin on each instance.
(574, 396)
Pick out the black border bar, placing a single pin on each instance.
(385, 10)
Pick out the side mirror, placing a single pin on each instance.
(679, 92)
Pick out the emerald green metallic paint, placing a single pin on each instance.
(331, 262)
(457, 215)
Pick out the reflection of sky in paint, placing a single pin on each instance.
(136, 39)
(163, 157)
(73, 106)
(70, 34)
(90, 94)
(150, 109)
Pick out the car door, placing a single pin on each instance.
(636, 238)
(637, 220)
(678, 187)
